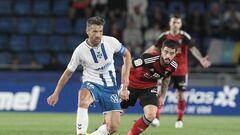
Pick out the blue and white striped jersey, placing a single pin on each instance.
(97, 62)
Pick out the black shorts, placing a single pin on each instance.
(180, 82)
(146, 97)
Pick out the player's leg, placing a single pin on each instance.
(181, 83)
(149, 101)
(112, 120)
(109, 101)
(84, 100)
(159, 85)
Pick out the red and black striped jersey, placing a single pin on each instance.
(147, 69)
(181, 58)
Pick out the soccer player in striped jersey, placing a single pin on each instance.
(180, 77)
(144, 75)
(95, 54)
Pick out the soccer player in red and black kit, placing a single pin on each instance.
(146, 71)
(179, 78)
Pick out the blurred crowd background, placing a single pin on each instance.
(42, 34)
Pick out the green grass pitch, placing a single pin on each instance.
(64, 124)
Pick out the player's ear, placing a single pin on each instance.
(87, 30)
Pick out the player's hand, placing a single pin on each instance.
(124, 94)
(52, 99)
(205, 62)
(161, 101)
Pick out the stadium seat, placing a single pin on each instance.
(7, 24)
(42, 58)
(24, 58)
(56, 43)
(41, 7)
(80, 26)
(18, 43)
(63, 58)
(154, 3)
(196, 5)
(43, 25)
(62, 25)
(25, 25)
(5, 7)
(23, 7)
(73, 41)
(61, 7)
(176, 5)
(5, 58)
(4, 40)
(37, 43)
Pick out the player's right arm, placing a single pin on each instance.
(157, 46)
(52, 99)
(72, 66)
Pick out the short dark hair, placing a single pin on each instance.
(97, 20)
(171, 44)
(178, 16)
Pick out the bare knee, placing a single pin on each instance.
(84, 99)
(150, 116)
(83, 103)
(180, 94)
(112, 128)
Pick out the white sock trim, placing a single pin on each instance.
(102, 130)
(82, 120)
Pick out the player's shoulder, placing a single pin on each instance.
(185, 34)
(109, 38)
(173, 64)
(151, 57)
(153, 54)
(163, 34)
(81, 45)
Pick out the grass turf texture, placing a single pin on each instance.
(64, 124)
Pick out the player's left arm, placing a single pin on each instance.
(126, 72)
(162, 92)
(203, 60)
(195, 52)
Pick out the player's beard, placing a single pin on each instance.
(166, 61)
(96, 41)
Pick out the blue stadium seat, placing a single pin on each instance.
(23, 7)
(80, 26)
(5, 58)
(25, 25)
(18, 43)
(5, 7)
(61, 7)
(24, 58)
(7, 24)
(41, 7)
(63, 58)
(43, 25)
(37, 43)
(56, 43)
(3, 41)
(73, 41)
(196, 5)
(154, 3)
(62, 25)
(42, 58)
(174, 5)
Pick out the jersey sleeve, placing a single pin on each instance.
(187, 40)
(75, 61)
(171, 68)
(161, 39)
(145, 60)
(118, 47)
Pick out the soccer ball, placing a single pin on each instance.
(155, 122)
